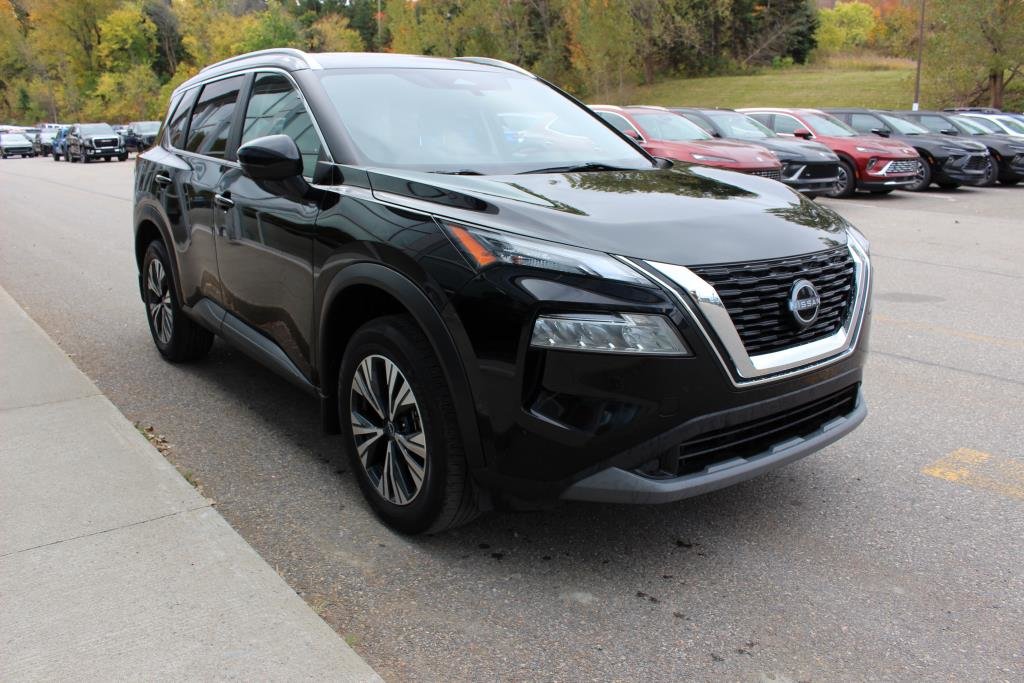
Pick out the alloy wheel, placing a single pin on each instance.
(158, 300)
(842, 180)
(920, 178)
(388, 430)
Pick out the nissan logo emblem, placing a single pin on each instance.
(804, 303)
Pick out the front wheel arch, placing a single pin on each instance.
(377, 290)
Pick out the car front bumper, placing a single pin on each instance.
(104, 151)
(967, 169)
(618, 485)
(811, 179)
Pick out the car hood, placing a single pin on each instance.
(797, 150)
(935, 142)
(686, 215)
(882, 144)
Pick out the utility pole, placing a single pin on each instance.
(920, 54)
(379, 16)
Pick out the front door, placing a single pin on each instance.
(265, 241)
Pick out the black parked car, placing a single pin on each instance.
(15, 145)
(42, 142)
(139, 135)
(1007, 153)
(88, 141)
(949, 163)
(487, 316)
(809, 167)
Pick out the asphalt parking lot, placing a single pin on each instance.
(893, 554)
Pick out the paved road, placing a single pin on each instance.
(895, 553)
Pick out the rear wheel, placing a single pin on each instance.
(846, 181)
(177, 337)
(922, 179)
(398, 428)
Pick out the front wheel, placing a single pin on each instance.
(922, 179)
(846, 181)
(398, 428)
(991, 172)
(177, 337)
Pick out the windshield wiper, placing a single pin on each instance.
(461, 171)
(576, 168)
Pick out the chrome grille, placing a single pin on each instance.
(756, 295)
(902, 166)
(105, 142)
(774, 174)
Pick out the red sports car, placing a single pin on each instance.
(866, 162)
(671, 136)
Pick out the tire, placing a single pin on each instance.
(178, 338)
(922, 180)
(443, 497)
(56, 157)
(70, 157)
(82, 157)
(122, 157)
(846, 185)
(993, 173)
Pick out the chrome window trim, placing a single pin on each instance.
(640, 135)
(256, 70)
(687, 288)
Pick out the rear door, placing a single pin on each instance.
(264, 240)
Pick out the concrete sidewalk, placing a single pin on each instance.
(111, 565)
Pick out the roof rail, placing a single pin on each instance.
(282, 51)
(488, 61)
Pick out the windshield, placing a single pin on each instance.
(1011, 124)
(903, 126)
(96, 129)
(13, 138)
(449, 120)
(670, 127)
(823, 124)
(735, 125)
(970, 126)
(990, 126)
(47, 134)
(146, 127)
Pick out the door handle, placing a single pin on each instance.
(223, 201)
(162, 179)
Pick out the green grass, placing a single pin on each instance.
(883, 88)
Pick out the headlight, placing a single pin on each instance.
(711, 157)
(608, 333)
(490, 247)
(858, 237)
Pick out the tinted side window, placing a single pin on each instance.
(275, 108)
(212, 116)
(619, 122)
(935, 123)
(179, 121)
(863, 123)
(787, 124)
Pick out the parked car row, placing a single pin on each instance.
(78, 142)
(834, 152)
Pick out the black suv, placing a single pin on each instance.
(88, 141)
(140, 135)
(496, 296)
(949, 163)
(808, 167)
(1007, 153)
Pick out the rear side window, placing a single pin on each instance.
(179, 121)
(212, 116)
(619, 122)
(787, 124)
(934, 123)
(275, 108)
(863, 123)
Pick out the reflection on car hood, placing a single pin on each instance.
(685, 215)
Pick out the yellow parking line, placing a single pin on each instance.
(979, 470)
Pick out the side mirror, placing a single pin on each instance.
(274, 157)
(802, 133)
(949, 131)
(884, 132)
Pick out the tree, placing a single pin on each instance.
(849, 25)
(128, 38)
(332, 33)
(976, 48)
(603, 41)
